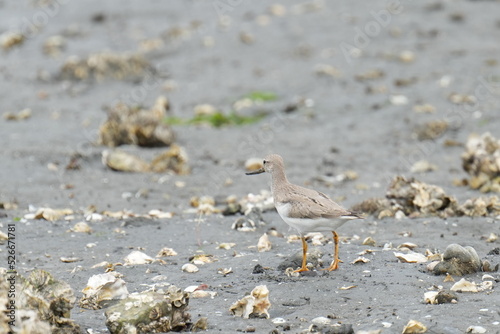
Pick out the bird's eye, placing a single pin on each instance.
(264, 162)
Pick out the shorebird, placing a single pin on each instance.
(304, 209)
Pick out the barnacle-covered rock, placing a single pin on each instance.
(100, 66)
(150, 312)
(458, 261)
(43, 303)
(135, 125)
(102, 288)
(481, 160)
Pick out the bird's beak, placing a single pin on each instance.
(258, 171)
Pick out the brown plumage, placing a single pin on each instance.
(304, 209)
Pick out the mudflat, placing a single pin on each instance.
(350, 94)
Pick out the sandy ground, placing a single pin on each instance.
(225, 50)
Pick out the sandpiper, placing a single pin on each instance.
(304, 209)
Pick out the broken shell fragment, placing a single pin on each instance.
(190, 268)
(414, 327)
(201, 259)
(264, 245)
(476, 329)
(244, 224)
(360, 259)
(254, 164)
(137, 257)
(465, 286)
(166, 251)
(82, 227)
(122, 161)
(440, 297)
(226, 245)
(411, 257)
(224, 271)
(10, 39)
(256, 304)
(368, 241)
(102, 288)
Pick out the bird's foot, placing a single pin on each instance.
(301, 270)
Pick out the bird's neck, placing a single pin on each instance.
(278, 179)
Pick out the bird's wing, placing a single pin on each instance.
(307, 203)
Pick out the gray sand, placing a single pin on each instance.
(456, 49)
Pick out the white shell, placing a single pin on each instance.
(190, 268)
(136, 257)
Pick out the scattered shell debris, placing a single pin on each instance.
(43, 302)
(49, 214)
(150, 312)
(256, 304)
(134, 125)
(412, 198)
(102, 288)
(104, 65)
(481, 160)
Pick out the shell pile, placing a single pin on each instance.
(413, 198)
(137, 126)
(104, 65)
(481, 160)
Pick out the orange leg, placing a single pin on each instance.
(335, 263)
(304, 256)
